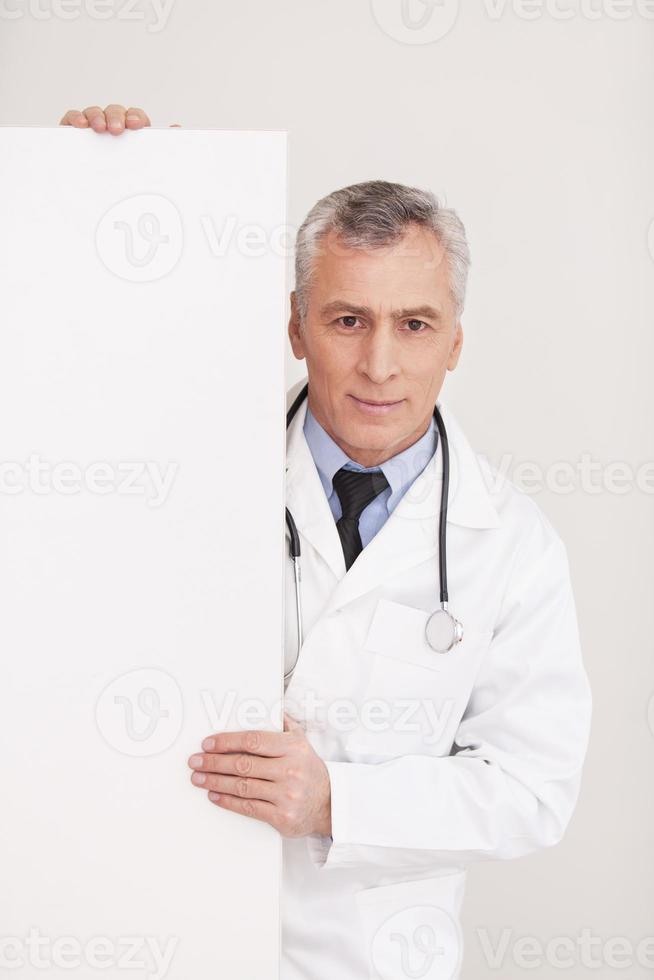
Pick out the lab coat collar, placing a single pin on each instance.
(409, 535)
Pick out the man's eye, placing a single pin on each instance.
(415, 325)
(349, 321)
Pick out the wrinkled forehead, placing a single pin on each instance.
(413, 269)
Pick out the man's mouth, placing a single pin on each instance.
(376, 407)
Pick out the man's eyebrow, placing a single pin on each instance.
(341, 306)
(429, 312)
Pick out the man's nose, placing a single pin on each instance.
(380, 355)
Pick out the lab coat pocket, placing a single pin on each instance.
(414, 698)
(412, 928)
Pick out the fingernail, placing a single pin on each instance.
(198, 778)
(132, 118)
(196, 761)
(208, 744)
(214, 797)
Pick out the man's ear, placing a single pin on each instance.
(453, 359)
(295, 329)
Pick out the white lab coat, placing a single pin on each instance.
(472, 755)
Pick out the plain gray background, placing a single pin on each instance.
(533, 120)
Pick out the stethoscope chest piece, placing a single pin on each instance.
(443, 631)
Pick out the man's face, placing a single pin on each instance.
(380, 328)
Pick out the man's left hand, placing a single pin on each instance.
(276, 777)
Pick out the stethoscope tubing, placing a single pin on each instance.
(294, 542)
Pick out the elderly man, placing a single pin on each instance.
(400, 761)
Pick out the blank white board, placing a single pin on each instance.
(142, 298)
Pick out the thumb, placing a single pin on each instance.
(290, 724)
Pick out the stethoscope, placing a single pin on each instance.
(442, 630)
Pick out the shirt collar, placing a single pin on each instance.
(400, 470)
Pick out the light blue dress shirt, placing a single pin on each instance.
(400, 471)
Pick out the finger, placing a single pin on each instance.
(75, 118)
(237, 764)
(136, 119)
(96, 118)
(115, 116)
(291, 725)
(246, 789)
(257, 809)
(257, 743)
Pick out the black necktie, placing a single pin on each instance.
(355, 491)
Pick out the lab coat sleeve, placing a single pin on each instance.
(511, 781)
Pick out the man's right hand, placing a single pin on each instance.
(115, 119)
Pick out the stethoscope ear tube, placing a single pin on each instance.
(294, 551)
(442, 521)
(302, 394)
(294, 543)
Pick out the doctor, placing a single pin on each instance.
(398, 766)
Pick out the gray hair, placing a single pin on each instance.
(376, 213)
